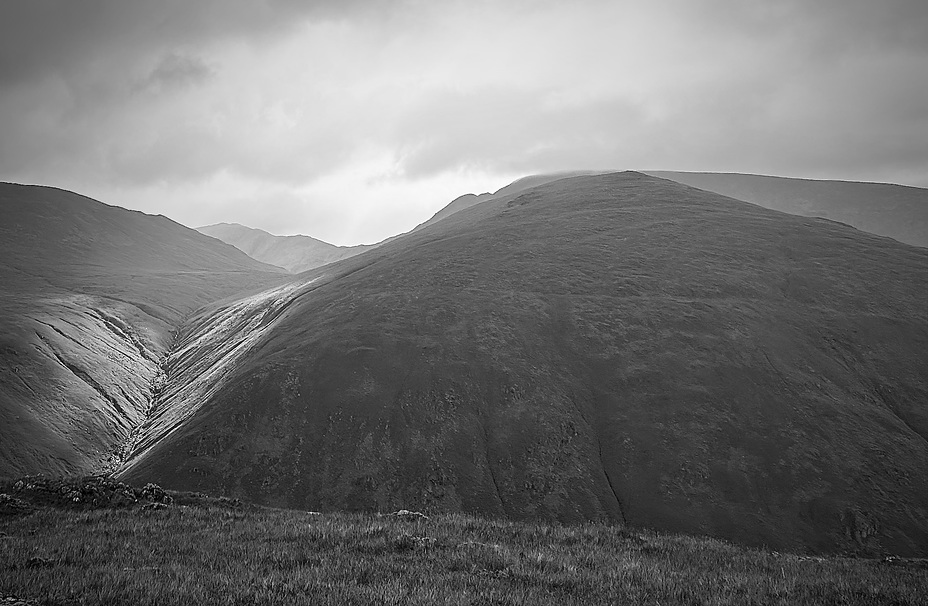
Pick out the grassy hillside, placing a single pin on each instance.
(199, 550)
(884, 209)
(91, 296)
(294, 253)
(615, 348)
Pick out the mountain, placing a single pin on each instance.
(615, 347)
(294, 253)
(884, 209)
(91, 296)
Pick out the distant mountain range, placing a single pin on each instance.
(294, 253)
(897, 211)
(616, 347)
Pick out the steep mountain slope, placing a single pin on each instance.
(467, 200)
(90, 297)
(896, 211)
(616, 347)
(295, 253)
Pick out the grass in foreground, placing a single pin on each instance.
(219, 552)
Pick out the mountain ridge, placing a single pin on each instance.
(886, 209)
(467, 200)
(296, 253)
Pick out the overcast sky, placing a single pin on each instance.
(353, 120)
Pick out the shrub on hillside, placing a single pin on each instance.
(89, 492)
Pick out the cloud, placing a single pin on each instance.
(516, 131)
(176, 70)
(42, 36)
(760, 97)
(383, 101)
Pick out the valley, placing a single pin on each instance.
(92, 295)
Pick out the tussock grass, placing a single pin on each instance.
(222, 554)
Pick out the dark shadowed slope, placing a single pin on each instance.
(884, 209)
(614, 347)
(295, 253)
(90, 297)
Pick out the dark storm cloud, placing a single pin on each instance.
(831, 26)
(42, 36)
(69, 73)
(177, 70)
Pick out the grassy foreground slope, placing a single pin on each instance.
(90, 297)
(615, 347)
(884, 209)
(205, 551)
